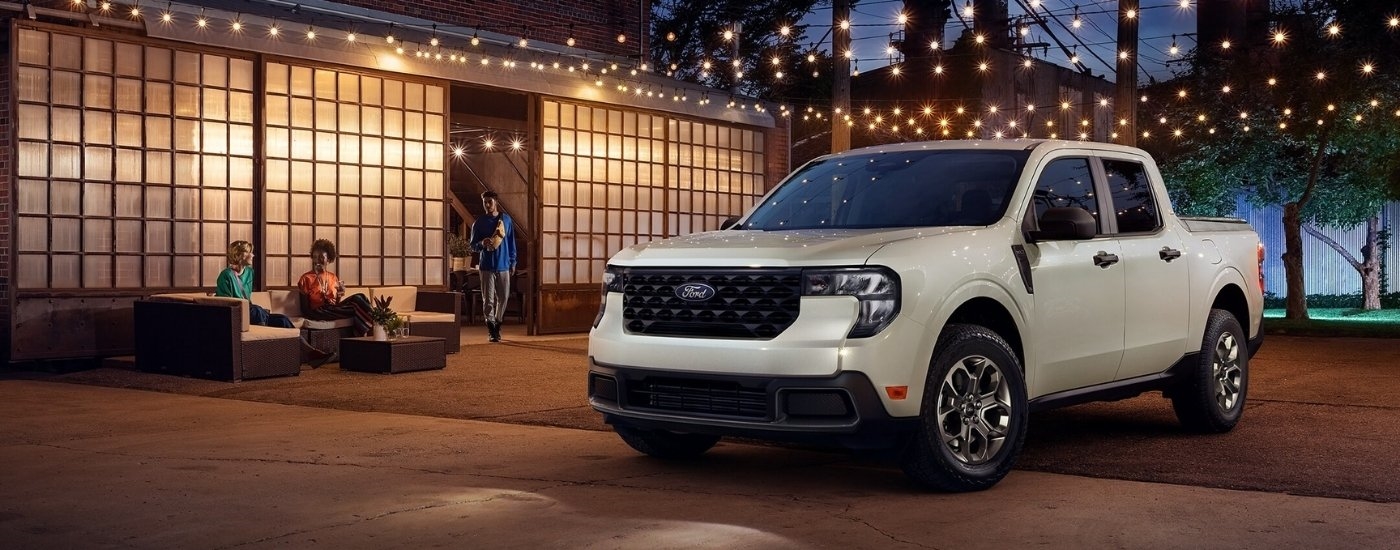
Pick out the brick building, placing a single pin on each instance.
(135, 146)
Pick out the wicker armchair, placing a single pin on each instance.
(209, 337)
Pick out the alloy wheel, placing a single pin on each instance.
(974, 410)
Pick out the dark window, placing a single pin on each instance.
(1065, 183)
(1132, 196)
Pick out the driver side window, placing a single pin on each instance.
(1065, 182)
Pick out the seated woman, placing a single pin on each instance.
(236, 281)
(323, 293)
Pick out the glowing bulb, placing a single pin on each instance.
(937, 69)
(1131, 14)
(272, 31)
(1225, 45)
(201, 22)
(350, 37)
(1280, 37)
(237, 26)
(967, 9)
(983, 66)
(1273, 81)
(784, 30)
(1334, 30)
(570, 42)
(310, 34)
(728, 35)
(1321, 75)
(1122, 55)
(903, 19)
(166, 17)
(1367, 68)
(846, 25)
(1225, 89)
(1181, 93)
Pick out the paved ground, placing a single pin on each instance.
(85, 466)
(1321, 420)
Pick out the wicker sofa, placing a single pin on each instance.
(430, 312)
(210, 337)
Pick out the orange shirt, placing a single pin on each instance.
(320, 289)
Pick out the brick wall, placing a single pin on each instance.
(596, 23)
(7, 168)
(777, 149)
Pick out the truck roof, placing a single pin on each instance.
(991, 144)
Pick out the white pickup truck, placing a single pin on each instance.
(925, 297)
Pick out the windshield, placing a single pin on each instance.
(894, 189)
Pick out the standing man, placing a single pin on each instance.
(493, 237)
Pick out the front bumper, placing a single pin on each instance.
(843, 410)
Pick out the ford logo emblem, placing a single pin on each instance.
(695, 292)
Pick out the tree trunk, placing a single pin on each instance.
(1371, 266)
(1293, 262)
(1368, 267)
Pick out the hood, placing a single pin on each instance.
(803, 247)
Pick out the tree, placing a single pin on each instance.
(1297, 121)
(688, 42)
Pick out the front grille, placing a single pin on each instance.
(698, 396)
(750, 304)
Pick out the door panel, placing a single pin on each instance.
(1079, 314)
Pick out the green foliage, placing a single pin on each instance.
(458, 246)
(686, 34)
(381, 312)
(1333, 301)
(1270, 151)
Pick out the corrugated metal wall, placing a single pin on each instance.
(1325, 271)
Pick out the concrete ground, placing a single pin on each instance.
(474, 455)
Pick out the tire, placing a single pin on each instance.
(666, 444)
(1211, 397)
(974, 413)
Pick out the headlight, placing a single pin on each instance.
(877, 288)
(612, 282)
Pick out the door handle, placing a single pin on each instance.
(1104, 259)
(1168, 254)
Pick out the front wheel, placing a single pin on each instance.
(1211, 397)
(666, 444)
(973, 418)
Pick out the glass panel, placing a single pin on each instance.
(187, 101)
(98, 164)
(214, 135)
(97, 91)
(301, 208)
(97, 235)
(157, 237)
(67, 161)
(303, 112)
(34, 122)
(32, 234)
(185, 271)
(215, 70)
(240, 172)
(393, 94)
(215, 104)
(66, 124)
(33, 47)
(33, 84)
(300, 83)
(349, 118)
(158, 63)
(65, 235)
(240, 140)
(67, 52)
(214, 203)
(186, 237)
(158, 203)
(158, 98)
(128, 272)
(240, 74)
(276, 77)
(186, 204)
(187, 171)
(326, 112)
(325, 84)
(65, 271)
(278, 110)
(187, 67)
(349, 87)
(158, 271)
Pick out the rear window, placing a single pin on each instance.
(894, 189)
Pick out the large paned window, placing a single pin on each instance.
(605, 183)
(357, 159)
(135, 165)
(716, 172)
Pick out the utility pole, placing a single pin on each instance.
(734, 55)
(1125, 100)
(841, 77)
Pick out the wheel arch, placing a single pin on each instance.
(1231, 298)
(990, 313)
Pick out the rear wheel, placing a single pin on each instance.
(974, 413)
(1211, 397)
(667, 444)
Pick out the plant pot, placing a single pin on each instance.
(459, 263)
(380, 334)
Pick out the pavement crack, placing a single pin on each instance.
(846, 515)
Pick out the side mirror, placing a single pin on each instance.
(1065, 224)
(728, 223)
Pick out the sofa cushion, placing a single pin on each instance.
(240, 303)
(184, 297)
(286, 302)
(259, 332)
(428, 317)
(405, 297)
(313, 324)
(262, 298)
(351, 291)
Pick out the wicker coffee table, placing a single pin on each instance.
(406, 354)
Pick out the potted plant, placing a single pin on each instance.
(385, 319)
(459, 248)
